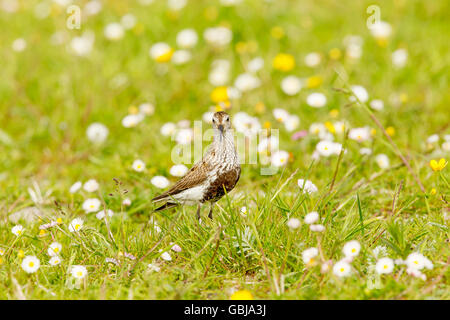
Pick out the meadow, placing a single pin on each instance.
(347, 106)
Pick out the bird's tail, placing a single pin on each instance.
(167, 205)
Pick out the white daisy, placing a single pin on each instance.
(138, 165)
(279, 158)
(153, 267)
(293, 223)
(78, 272)
(19, 45)
(178, 170)
(168, 129)
(312, 217)
(218, 36)
(128, 21)
(280, 114)
(359, 134)
(342, 269)
(313, 59)
(75, 187)
(307, 186)
(351, 248)
(292, 122)
(97, 132)
(377, 104)
(181, 57)
(317, 227)
(316, 100)
(360, 92)
(132, 120)
(382, 160)
(381, 30)
(160, 49)
(418, 261)
(54, 249)
(166, 256)
(101, 214)
(384, 266)
(54, 261)
(399, 58)
(17, 230)
(291, 85)
(91, 185)
(246, 82)
(308, 256)
(176, 4)
(126, 202)
(160, 182)
(187, 38)
(76, 225)
(147, 108)
(91, 205)
(255, 64)
(114, 31)
(30, 264)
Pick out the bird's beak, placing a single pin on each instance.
(220, 126)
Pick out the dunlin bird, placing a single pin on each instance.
(209, 179)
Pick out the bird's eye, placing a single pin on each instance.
(228, 119)
(214, 121)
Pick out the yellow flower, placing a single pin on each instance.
(404, 97)
(335, 54)
(373, 132)
(242, 295)
(330, 127)
(382, 42)
(166, 56)
(433, 191)
(241, 47)
(277, 32)
(21, 254)
(42, 233)
(260, 107)
(284, 62)
(267, 125)
(438, 166)
(1, 260)
(390, 131)
(334, 113)
(219, 94)
(314, 82)
(59, 221)
(133, 110)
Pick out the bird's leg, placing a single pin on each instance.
(198, 211)
(210, 211)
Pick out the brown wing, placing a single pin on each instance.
(194, 177)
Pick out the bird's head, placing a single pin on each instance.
(221, 121)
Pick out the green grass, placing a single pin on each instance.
(48, 98)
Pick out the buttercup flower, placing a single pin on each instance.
(242, 295)
(438, 165)
(384, 266)
(30, 264)
(283, 62)
(76, 225)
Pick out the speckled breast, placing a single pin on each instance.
(224, 181)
